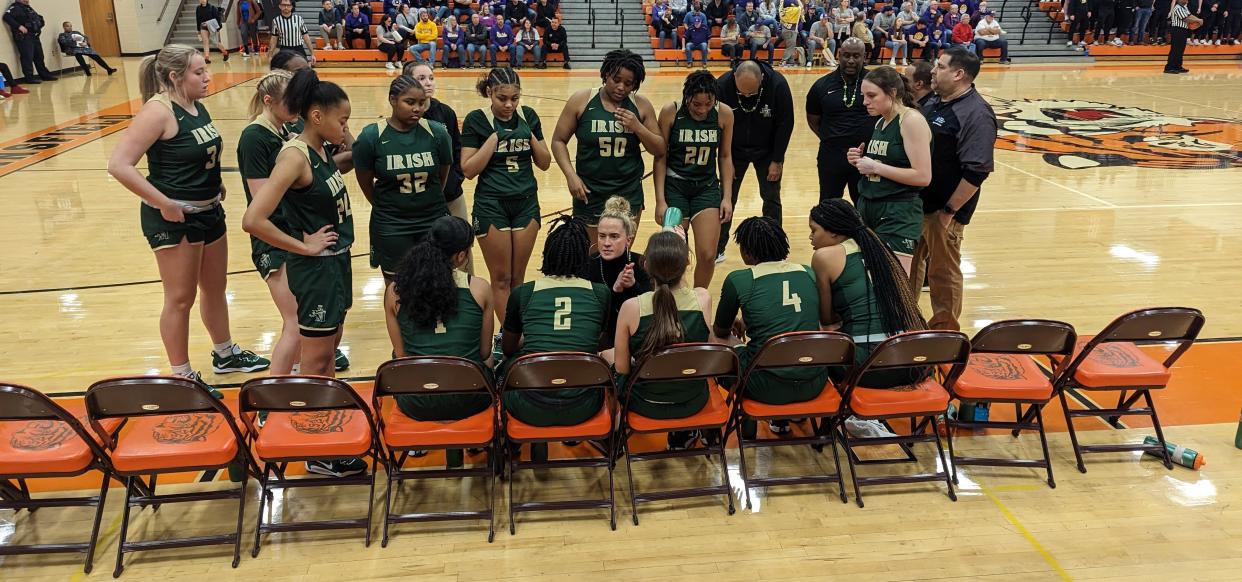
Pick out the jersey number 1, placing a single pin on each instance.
(560, 318)
(788, 298)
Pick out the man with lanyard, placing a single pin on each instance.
(963, 129)
(289, 33)
(762, 125)
(837, 115)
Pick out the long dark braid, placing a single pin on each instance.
(762, 239)
(619, 59)
(426, 290)
(899, 310)
(566, 252)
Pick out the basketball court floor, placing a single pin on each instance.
(1116, 187)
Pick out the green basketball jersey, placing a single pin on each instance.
(257, 148)
(887, 147)
(408, 194)
(323, 202)
(458, 337)
(692, 145)
(774, 298)
(853, 299)
(609, 159)
(558, 314)
(510, 173)
(670, 399)
(688, 311)
(186, 166)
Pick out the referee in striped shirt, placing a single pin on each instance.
(289, 33)
(1179, 19)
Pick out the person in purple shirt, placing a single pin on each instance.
(696, 15)
(501, 36)
(697, 36)
(357, 25)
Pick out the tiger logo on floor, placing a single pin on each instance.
(1075, 135)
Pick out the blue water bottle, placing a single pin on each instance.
(672, 218)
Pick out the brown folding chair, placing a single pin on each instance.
(1002, 370)
(553, 371)
(309, 418)
(682, 363)
(401, 434)
(39, 438)
(169, 424)
(925, 399)
(1111, 361)
(802, 349)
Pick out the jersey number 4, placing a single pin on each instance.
(560, 318)
(612, 147)
(413, 183)
(698, 155)
(788, 298)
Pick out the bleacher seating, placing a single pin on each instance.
(1137, 51)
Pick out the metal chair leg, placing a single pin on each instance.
(949, 475)
(241, 516)
(1043, 442)
(1155, 423)
(612, 488)
(836, 459)
(741, 455)
(951, 468)
(120, 543)
(90, 547)
(724, 472)
(849, 458)
(388, 503)
(629, 472)
(371, 501)
(491, 494)
(1069, 425)
(263, 498)
(512, 455)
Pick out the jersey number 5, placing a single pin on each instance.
(788, 298)
(413, 184)
(612, 147)
(511, 164)
(698, 155)
(560, 318)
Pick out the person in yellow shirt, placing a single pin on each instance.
(425, 34)
(791, 17)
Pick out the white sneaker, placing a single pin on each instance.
(1069, 43)
(327, 46)
(808, 64)
(1217, 42)
(720, 258)
(390, 66)
(867, 428)
(892, 63)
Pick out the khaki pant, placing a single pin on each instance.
(939, 255)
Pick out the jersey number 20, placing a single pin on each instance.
(697, 155)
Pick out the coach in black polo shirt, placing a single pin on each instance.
(762, 125)
(963, 137)
(837, 115)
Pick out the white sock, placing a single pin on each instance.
(225, 349)
(296, 369)
(182, 369)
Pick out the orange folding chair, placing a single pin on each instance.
(401, 434)
(309, 418)
(1111, 361)
(169, 424)
(682, 363)
(925, 399)
(801, 349)
(559, 371)
(1002, 370)
(40, 438)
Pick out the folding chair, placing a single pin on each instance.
(168, 425)
(553, 371)
(804, 349)
(682, 363)
(39, 438)
(1111, 361)
(1002, 370)
(925, 399)
(309, 418)
(401, 434)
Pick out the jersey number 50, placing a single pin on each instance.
(612, 147)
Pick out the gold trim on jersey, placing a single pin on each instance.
(262, 121)
(491, 117)
(850, 247)
(775, 268)
(687, 300)
(543, 283)
(462, 279)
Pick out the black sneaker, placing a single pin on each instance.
(341, 363)
(682, 439)
(195, 376)
(779, 426)
(338, 468)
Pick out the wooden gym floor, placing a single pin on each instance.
(1117, 189)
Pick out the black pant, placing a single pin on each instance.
(547, 50)
(735, 52)
(1177, 47)
(30, 50)
(1105, 18)
(836, 173)
(300, 49)
(1235, 24)
(1160, 22)
(1210, 20)
(98, 59)
(392, 51)
(1079, 25)
(350, 35)
(770, 192)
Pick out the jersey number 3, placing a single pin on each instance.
(788, 298)
(560, 318)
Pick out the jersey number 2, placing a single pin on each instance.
(788, 298)
(612, 147)
(560, 318)
(413, 184)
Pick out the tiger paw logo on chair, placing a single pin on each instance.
(40, 435)
(1075, 135)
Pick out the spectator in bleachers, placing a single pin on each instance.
(388, 40)
(810, 15)
(769, 12)
(1125, 16)
(977, 15)
(717, 11)
(425, 35)
(454, 40)
(697, 36)
(545, 11)
(665, 23)
(248, 13)
(823, 39)
(554, 41)
(790, 19)
(462, 8)
(988, 35)
(490, 13)
(477, 41)
(863, 33)
(907, 16)
(527, 40)
(331, 25)
(952, 17)
(500, 39)
(392, 7)
(1142, 16)
(917, 38)
(899, 47)
(1104, 12)
(964, 36)
(406, 20)
(760, 37)
(363, 7)
(516, 11)
(1209, 12)
(695, 15)
(938, 41)
(77, 45)
(731, 41)
(357, 26)
(679, 8)
(1160, 21)
(843, 20)
(747, 16)
(1232, 26)
(880, 27)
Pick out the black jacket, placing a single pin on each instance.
(20, 14)
(554, 36)
(476, 34)
(441, 112)
(763, 132)
(204, 13)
